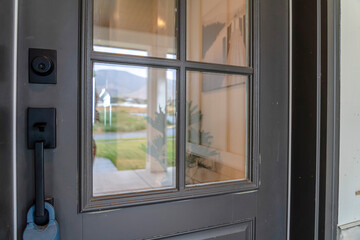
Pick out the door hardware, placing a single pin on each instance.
(41, 135)
(41, 126)
(42, 66)
(41, 216)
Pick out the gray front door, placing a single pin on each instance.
(171, 117)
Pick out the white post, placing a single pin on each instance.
(110, 113)
(104, 116)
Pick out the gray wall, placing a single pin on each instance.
(8, 12)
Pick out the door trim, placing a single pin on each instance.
(322, 214)
(333, 120)
(8, 89)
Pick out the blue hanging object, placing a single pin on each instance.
(47, 232)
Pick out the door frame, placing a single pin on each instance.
(8, 87)
(331, 202)
(321, 221)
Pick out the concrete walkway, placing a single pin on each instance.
(107, 179)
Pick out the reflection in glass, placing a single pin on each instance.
(134, 128)
(135, 27)
(217, 31)
(216, 136)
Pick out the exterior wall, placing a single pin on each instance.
(349, 175)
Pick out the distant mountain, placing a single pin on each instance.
(120, 84)
(123, 84)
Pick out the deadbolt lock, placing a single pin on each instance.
(42, 66)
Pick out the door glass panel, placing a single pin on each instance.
(217, 31)
(135, 27)
(134, 128)
(217, 123)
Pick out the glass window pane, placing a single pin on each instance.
(136, 27)
(217, 123)
(217, 31)
(134, 128)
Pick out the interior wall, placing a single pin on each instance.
(349, 175)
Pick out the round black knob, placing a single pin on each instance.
(42, 65)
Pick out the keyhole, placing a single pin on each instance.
(40, 126)
(41, 66)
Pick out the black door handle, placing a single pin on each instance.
(41, 215)
(41, 135)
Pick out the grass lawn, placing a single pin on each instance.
(128, 153)
(121, 121)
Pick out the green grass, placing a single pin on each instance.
(121, 121)
(128, 154)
